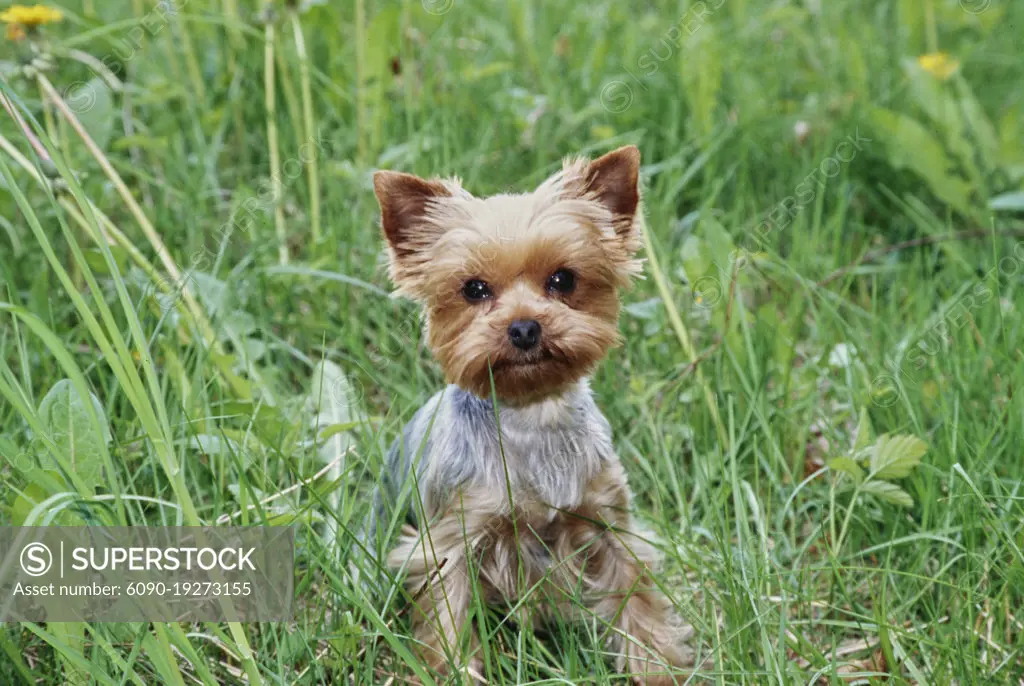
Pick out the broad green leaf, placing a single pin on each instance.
(378, 48)
(908, 18)
(1010, 202)
(93, 103)
(98, 263)
(648, 310)
(719, 243)
(10, 453)
(334, 401)
(63, 411)
(847, 466)
(912, 146)
(934, 97)
(1011, 138)
(266, 421)
(890, 493)
(696, 258)
(238, 324)
(30, 496)
(977, 121)
(335, 429)
(894, 457)
(212, 292)
(856, 67)
(213, 445)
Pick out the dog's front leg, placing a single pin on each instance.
(439, 583)
(600, 544)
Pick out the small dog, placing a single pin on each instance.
(520, 294)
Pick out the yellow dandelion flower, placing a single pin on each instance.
(30, 16)
(939, 64)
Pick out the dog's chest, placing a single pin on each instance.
(551, 465)
(547, 453)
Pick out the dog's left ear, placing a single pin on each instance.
(407, 208)
(404, 203)
(614, 179)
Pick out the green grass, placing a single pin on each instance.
(886, 295)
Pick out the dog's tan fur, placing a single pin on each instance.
(440, 236)
(600, 550)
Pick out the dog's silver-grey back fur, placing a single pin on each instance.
(549, 451)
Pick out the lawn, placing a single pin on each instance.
(818, 400)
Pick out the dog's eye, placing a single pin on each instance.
(562, 281)
(476, 290)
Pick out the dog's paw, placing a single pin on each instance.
(474, 672)
(656, 680)
(659, 664)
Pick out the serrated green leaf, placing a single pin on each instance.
(894, 457)
(890, 493)
(864, 431)
(847, 466)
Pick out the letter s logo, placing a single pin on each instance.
(36, 559)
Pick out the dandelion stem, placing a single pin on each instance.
(235, 46)
(312, 164)
(270, 98)
(191, 64)
(361, 148)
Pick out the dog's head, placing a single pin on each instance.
(522, 288)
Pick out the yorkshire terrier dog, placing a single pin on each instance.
(509, 474)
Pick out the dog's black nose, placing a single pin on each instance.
(524, 333)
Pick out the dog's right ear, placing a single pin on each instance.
(405, 204)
